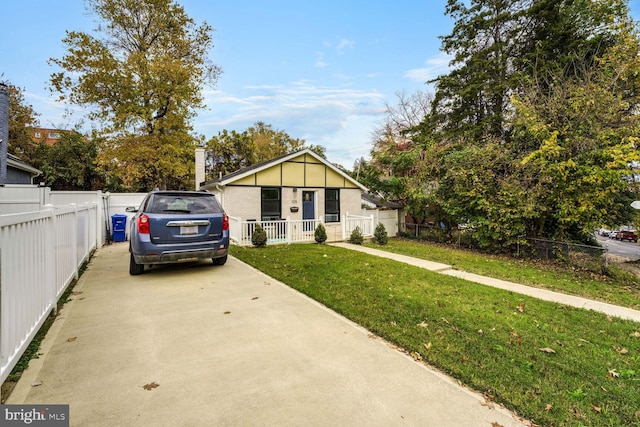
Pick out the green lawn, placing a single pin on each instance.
(619, 287)
(552, 364)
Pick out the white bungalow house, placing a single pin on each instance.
(289, 196)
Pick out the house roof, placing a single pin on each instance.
(16, 163)
(242, 173)
(379, 202)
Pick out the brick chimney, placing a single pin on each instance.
(4, 131)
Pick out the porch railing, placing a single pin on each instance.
(294, 231)
(283, 231)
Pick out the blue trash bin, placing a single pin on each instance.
(118, 228)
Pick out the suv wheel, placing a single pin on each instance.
(135, 268)
(220, 261)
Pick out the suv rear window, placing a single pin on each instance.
(184, 203)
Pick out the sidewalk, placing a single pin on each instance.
(202, 345)
(570, 300)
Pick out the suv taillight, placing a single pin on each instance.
(225, 222)
(143, 224)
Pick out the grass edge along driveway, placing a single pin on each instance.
(551, 364)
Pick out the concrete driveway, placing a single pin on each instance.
(196, 345)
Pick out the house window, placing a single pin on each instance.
(54, 135)
(38, 135)
(271, 209)
(332, 205)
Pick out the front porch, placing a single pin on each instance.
(287, 231)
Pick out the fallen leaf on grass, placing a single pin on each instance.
(635, 334)
(151, 386)
(427, 346)
(548, 407)
(480, 331)
(623, 351)
(521, 308)
(596, 408)
(423, 324)
(416, 356)
(613, 373)
(72, 339)
(547, 350)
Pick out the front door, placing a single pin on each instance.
(308, 208)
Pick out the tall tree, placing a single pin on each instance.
(472, 99)
(534, 129)
(70, 164)
(21, 118)
(230, 151)
(142, 79)
(585, 133)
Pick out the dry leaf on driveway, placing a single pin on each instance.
(151, 386)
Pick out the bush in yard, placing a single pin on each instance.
(356, 237)
(380, 234)
(259, 237)
(320, 234)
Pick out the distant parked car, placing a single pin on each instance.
(177, 226)
(627, 235)
(604, 232)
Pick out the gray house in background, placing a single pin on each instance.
(18, 172)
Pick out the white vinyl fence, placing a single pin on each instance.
(41, 253)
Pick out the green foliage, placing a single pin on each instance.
(356, 236)
(320, 234)
(21, 118)
(259, 237)
(230, 151)
(380, 234)
(142, 77)
(69, 164)
(531, 133)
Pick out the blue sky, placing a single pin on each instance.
(318, 70)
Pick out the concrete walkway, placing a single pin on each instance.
(570, 300)
(202, 345)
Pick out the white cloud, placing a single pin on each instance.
(338, 117)
(435, 66)
(344, 44)
(320, 60)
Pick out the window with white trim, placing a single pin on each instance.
(332, 205)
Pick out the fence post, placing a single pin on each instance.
(51, 258)
(288, 231)
(373, 227)
(75, 240)
(344, 226)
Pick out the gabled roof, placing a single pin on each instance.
(379, 202)
(16, 163)
(242, 173)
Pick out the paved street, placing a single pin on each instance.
(628, 250)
